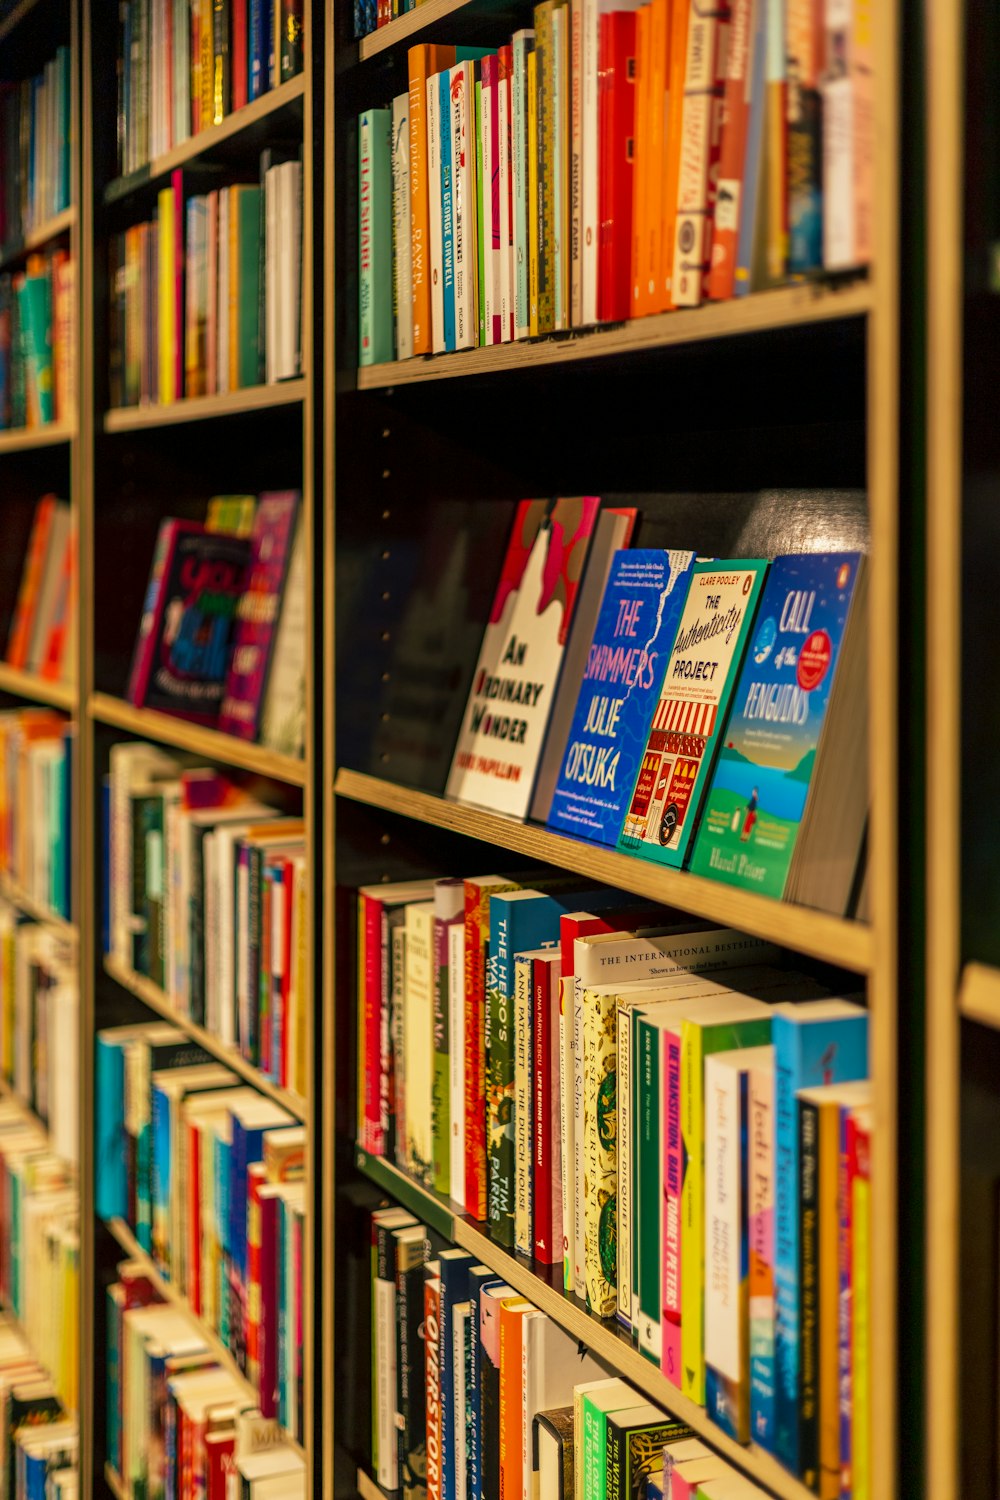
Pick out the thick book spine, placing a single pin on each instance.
(523, 1106)
(441, 1094)
(411, 1421)
(545, 1153)
(435, 237)
(760, 1211)
(432, 1389)
(804, 137)
(402, 260)
(808, 1128)
(702, 114)
(730, 201)
(456, 1061)
(673, 1150)
(375, 237)
(600, 1155)
(500, 1097)
(625, 1123)
(447, 169)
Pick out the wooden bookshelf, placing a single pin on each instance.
(35, 689)
(12, 892)
(788, 307)
(224, 749)
(428, 16)
(203, 408)
(157, 999)
(114, 1484)
(40, 236)
(27, 439)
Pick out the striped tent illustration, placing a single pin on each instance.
(678, 716)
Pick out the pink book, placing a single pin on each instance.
(267, 1345)
(491, 81)
(152, 610)
(548, 1224)
(373, 1137)
(257, 613)
(670, 1070)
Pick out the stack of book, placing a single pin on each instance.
(173, 1411)
(40, 1251)
(641, 159)
(39, 1441)
(184, 65)
(36, 824)
(34, 150)
(37, 341)
(206, 896)
(222, 637)
(209, 1175)
(39, 1021)
(206, 297)
(548, 1060)
(42, 636)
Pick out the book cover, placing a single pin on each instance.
(760, 786)
(697, 181)
(402, 263)
(375, 237)
(760, 1210)
(635, 631)
(804, 47)
(684, 737)
(497, 753)
(257, 613)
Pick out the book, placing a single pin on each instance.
(684, 735)
(804, 48)
(422, 62)
(257, 614)
(634, 1442)
(497, 753)
(553, 1452)
(283, 711)
(704, 85)
(617, 64)
(402, 266)
(760, 1213)
(22, 625)
(375, 237)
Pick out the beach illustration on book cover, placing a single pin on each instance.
(754, 808)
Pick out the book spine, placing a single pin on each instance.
(730, 200)
(702, 113)
(480, 221)
(532, 173)
(385, 1356)
(561, 164)
(432, 1393)
(524, 1239)
(440, 1098)
(419, 203)
(412, 1420)
(435, 238)
(786, 1251)
(777, 142)
(456, 1060)
(725, 1295)
(804, 138)
(648, 1179)
(761, 1230)
(600, 1155)
(372, 974)
(693, 1215)
(546, 1187)
(808, 1128)
(617, 1451)
(447, 168)
(844, 1247)
(463, 176)
(625, 1120)
(545, 82)
(491, 201)
(590, 226)
(566, 1126)
(670, 1358)
(500, 1094)
(753, 204)
(523, 43)
(861, 1435)
(375, 237)
(476, 907)
(504, 178)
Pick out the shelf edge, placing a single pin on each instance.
(198, 740)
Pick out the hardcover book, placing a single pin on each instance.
(507, 714)
(635, 630)
(257, 614)
(684, 736)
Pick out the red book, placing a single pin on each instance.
(239, 73)
(375, 996)
(547, 1174)
(432, 1389)
(735, 125)
(31, 579)
(617, 128)
(219, 1462)
(384, 13)
(60, 631)
(256, 1177)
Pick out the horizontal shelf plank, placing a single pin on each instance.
(41, 235)
(834, 940)
(786, 307)
(37, 910)
(150, 994)
(439, 1213)
(605, 1340)
(368, 1489)
(223, 748)
(205, 142)
(15, 16)
(202, 408)
(45, 435)
(37, 689)
(979, 994)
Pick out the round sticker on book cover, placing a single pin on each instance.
(814, 660)
(764, 644)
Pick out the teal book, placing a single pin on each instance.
(375, 319)
(686, 730)
(35, 301)
(760, 786)
(110, 1155)
(247, 209)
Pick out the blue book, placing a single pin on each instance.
(819, 1042)
(480, 1277)
(447, 210)
(250, 1120)
(758, 795)
(162, 1171)
(454, 1272)
(221, 1153)
(635, 630)
(110, 1157)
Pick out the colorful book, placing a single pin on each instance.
(402, 264)
(258, 612)
(375, 321)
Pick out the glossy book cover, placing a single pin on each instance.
(635, 630)
(761, 781)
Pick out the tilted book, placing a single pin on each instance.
(257, 614)
(507, 715)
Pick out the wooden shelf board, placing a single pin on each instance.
(979, 994)
(605, 1340)
(114, 1483)
(12, 892)
(49, 229)
(150, 994)
(15, 16)
(202, 144)
(786, 307)
(407, 26)
(7, 1092)
(47, 435)
(835, 940)
(37, 689)
(202, 408)
(368, 1489)
(223, 748)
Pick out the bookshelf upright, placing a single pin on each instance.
(773, 418)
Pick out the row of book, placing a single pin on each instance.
(36, 821)
(207, 295)
(34, 150)
(546, 1060)
(40, 1252)
(477, 1393)
(693, 712)
(38, 341)
(39, 1441)
(209, 1175)
(206, 897)
(609, 164)
(370, 14)
(42, 635)
(39, 1023)
(184, 65)
(222, 637)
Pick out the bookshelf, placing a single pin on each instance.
(616, 412)
(142, 463)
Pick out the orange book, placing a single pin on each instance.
(656, 138)
(721, 280)
(642, 182)
(512, 1311)
(55, 666)
(423, 61)
(27, 597)
(672, 154)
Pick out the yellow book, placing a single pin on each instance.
(532, 194)
(234, 289)
(640, 160)
(167, 311)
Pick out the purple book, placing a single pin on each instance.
(257, 614)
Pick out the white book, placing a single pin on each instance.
(491, 263)
(432, 100)
(522, 43)
(402, 267)
(506, 227)
(560, 154)
(552, 1364)
(290, 287)
(463, 174)
(456, 1060)
(705, 64)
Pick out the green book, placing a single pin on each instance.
(35, 301)
(375, 324)
(634, 1440)
(595, 1401)
(244, 201)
